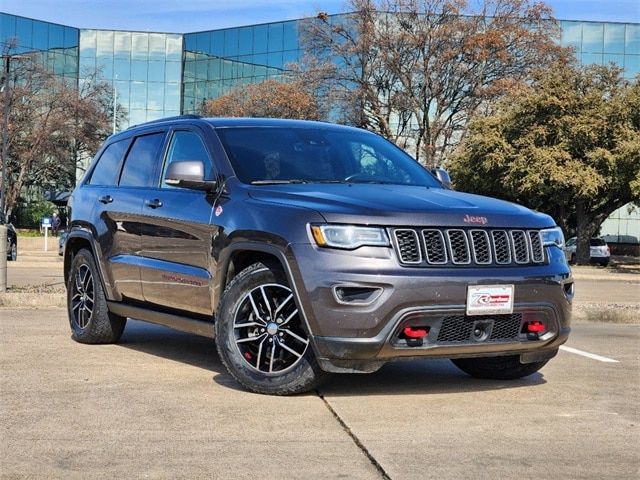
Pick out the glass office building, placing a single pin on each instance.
(145, 69)
(219, 60)
(162, 74)
(56, 45)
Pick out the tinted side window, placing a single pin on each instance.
(186, 145)
(140, 166)
(108, 167)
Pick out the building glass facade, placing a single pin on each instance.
(163, 74)
(219, 60)
(56, 45)
(601, 43)
(145, 70)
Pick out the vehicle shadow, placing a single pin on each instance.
(171, 344)
(415, 377)
(420, 377)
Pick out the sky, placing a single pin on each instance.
(193, 15)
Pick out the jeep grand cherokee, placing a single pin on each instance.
(305, 248)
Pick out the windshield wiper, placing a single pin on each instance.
(278, 182)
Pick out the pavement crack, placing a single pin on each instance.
(383, 474)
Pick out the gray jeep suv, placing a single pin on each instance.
(305, 248)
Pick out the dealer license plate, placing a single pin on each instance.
(489, 299)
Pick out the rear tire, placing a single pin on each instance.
(89, 317)
(13, 252)
(498, 368)
(260, 337)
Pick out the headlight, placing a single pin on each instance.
(349, 237)
(552, 236)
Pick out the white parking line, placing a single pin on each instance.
(593, 356)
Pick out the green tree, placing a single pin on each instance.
(568, 144)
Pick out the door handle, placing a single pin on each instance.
(155, 203)
(105, 199)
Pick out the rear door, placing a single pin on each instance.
(176, 236)
(114, 212)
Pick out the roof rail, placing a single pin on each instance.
(165, 119)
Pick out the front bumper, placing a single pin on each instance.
(361, 336)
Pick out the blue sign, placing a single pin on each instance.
(46, 222)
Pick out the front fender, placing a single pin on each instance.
(279, 249)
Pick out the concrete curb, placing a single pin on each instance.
(627, 314)
(24, 300)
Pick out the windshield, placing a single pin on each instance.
(268, 155)
(598, 242)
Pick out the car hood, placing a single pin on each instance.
(401, 205)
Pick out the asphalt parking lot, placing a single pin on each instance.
(160, 405)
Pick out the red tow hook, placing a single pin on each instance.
(415, 335)
(415, 332)
(535, 326)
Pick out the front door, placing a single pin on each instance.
(176, 234)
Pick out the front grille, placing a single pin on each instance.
(459, 247)
(408, 246)
(459, 328)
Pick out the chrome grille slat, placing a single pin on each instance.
(480, 247)
(520, 246)
(537, 252)
(435, 248)
(501, 248)
(408, 246)
(474, 246)
(459, 247)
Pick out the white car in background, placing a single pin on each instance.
(599, 251)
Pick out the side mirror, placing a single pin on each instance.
(443, 176)
(188, 174)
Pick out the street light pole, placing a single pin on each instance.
(6, 91)
(115, 103)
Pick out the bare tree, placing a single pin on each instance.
(415, 71)
(51, 122)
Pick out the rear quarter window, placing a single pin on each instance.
(108, 166)
(140, 165)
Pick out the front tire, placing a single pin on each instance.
(498, 368)
(89, 317)
(260, 336)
